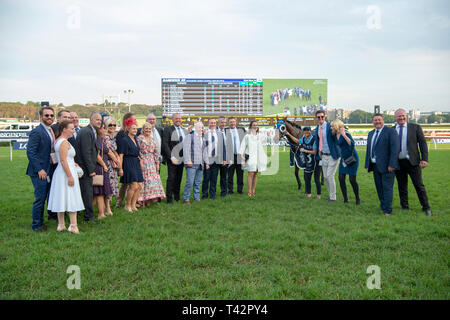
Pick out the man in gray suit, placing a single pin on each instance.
(87, 158)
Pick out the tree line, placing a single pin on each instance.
(30, 110)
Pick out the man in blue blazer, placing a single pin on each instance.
(39, 148)
(328, 152)
(382, 158)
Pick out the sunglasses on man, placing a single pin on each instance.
(49, 115)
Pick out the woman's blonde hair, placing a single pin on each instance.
(145, 125)
(336, 125)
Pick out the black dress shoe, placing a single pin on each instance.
(428, 212)
(358, 202)
(405, 208)
(93, 221)
(52, 218)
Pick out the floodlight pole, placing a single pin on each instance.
(129, 92)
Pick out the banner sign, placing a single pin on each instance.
(243, 121)
(20, 145)
(8, 135)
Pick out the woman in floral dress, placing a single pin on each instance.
(152, 189)
(110, 141)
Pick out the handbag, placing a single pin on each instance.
(97, 180)
(79, 171)
(350, 161)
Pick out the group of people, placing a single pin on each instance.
(79, 167)
(283, 94)
(398, 151)
(76, 167)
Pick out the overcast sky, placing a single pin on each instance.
(391, 53)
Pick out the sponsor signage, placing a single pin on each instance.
(10, 135)
(244, 121)
(20, 145)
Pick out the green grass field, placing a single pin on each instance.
(278, 245)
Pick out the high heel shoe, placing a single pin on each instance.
(100, 217)
(61, 227)
(134, 209)
(128, 209)
(73, 229)
(109, 213)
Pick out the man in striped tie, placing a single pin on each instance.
(382, 158)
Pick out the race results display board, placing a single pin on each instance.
(202, 97)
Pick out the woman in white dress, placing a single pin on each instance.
(65, 194)
(252, 146)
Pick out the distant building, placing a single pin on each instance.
(414, 114)
(390, 112)
(334, 114)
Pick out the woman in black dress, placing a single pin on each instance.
(131, 170)
(120, 135)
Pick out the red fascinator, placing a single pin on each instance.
(129, 122)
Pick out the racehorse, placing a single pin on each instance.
(296, 131)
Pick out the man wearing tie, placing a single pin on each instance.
(210, 175)
(76, 124)
(172, 149)
(86, 157)
(223, 156)
(234, 137)
(382, 158)
(329, 152)
(411, 162)
(40, 145)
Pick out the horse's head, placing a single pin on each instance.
(281, 128)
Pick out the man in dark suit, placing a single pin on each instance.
(39, 148)
(234, 135)
(63, 115)
(172, 150)
(382, 159)
(209, 183)
(222, 153)
(86, 158)
(76, 125)
(411, 162)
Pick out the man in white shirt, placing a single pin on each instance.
(413, 157)
(224, 160)
(40, 146)
(234, 137)
(210, 175)
(157, 132)
(172, 149)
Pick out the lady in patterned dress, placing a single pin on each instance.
(113, 164)
(102, 169)
(152, 189)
